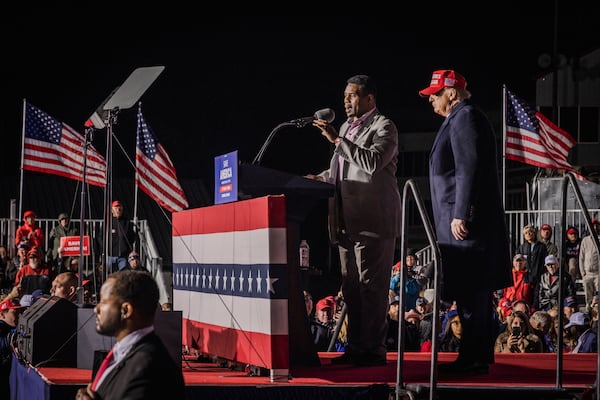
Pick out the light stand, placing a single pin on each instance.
(121, 98)
(87, 140)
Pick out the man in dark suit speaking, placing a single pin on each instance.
(469, 217)
(139, 365)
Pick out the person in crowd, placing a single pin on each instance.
(27, 300)
(541, 322)
(139, 365)
(122, 239)
(134, 262)
(364, 216)
(411, 327)
(518, 337)
(469, 217)
(546, 238)
(54, 255)
(36, 274)
(572, 246)
(412, 340)
(11, 273)
(589, 264)
(569, 306)
(588, 341)
(521, 288)
(412, 287)
(555, 331)
(322, 325)
(425, 309)
(549, 284)
(577, 325)
(7, 269)
(65, 286)
(20, 259)
(417, 271)
(522, 306)
(534, 252)
(10, 311)
(452, 333)
(30, 232)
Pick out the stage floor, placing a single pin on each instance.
(529, 375)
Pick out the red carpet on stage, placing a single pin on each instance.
(515, 371)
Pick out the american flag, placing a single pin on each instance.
(155, 173)
(532, 138)
(52, 147)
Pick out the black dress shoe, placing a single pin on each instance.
(464, 368)
(343, 359)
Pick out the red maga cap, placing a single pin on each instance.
(441, 79)
(9, 304)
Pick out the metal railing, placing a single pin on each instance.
(148, 250)
(411, 188)
(560, 220)
(517, 219)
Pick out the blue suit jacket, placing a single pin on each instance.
(464, 184)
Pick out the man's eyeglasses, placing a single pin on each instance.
(133, 258)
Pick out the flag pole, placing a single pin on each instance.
(135, 189)
(504, 147)
(22, 157)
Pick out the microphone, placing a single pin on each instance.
(327, 114)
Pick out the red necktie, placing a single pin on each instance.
(105, 363)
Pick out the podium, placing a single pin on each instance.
(301, 196)
(236, 273)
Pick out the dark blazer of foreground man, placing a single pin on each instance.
(143, 368)
(469, 217)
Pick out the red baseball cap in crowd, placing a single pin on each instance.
(10, 304)
(443, 78)
(323, 304)
(572, 230)
(116, 203)
(34, 252)
(546, 227)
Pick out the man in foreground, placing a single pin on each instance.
(139, 365)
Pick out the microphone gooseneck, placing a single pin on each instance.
(326, 113)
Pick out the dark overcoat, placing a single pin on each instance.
(464, 184)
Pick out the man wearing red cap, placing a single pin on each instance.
(10, 310)
(122, 237)
(30, 233)
(589, 264)
(469, 217)
(36, 274)
(545, 237)
(573, 245)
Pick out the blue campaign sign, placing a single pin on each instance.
(226, 178)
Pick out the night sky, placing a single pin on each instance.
(229, 81)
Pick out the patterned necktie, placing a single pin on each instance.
(105, 363)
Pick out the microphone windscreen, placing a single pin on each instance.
(327, 114)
